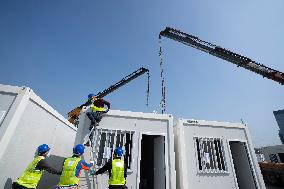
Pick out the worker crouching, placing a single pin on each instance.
(97, 109)
(95, 115)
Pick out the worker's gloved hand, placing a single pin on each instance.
(106, 111)
(92, 172)
(92, 162)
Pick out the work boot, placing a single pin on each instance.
(93, 126)
(87, 143)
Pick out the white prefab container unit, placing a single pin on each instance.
(26, 121)
(190, 154)
(147, 140)
(212, 154)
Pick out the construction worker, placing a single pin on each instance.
(72, 168)
(31, 176)
(90, 100)
(117, 171)
(97, 112)
(97, 109)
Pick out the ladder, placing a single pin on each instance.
(103, 145)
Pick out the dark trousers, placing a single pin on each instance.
(95, 117)
(15, 185)
(117, 187)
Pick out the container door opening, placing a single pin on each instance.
(281, 157)
(242, 165)
(152, 163)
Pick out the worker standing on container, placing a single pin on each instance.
(117, 171)
(31, 176)
(72, 168)
(97, 112)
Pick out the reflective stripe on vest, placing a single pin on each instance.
(68, 177)
(31, 176)
(97, 109)
(117, 173)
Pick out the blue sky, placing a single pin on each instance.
(65, 49)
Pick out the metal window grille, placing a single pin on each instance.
(105, 141)
(273, 158)
(210, 154)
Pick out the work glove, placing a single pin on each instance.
(106, 111)
(92, 172)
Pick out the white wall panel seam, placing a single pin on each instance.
(13, 118)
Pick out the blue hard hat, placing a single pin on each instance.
(42, 148)
(118, 151)
(91, 95)
(78, 149)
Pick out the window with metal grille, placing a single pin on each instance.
(210, 155)
(273, 158)
(105, 142)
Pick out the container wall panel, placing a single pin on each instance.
(193, 156)
(6, 101)
(140, 123)
(38, 124)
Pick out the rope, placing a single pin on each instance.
(148, 89)
(163, 99)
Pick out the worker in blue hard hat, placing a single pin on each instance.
(117, 170)
(97, 109)
(90, 99)
(31, 176)
(90, 95)
(96, 113)
(72, 168)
